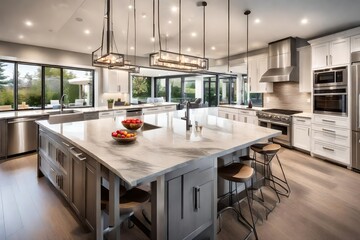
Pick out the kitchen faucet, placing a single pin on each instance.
(187, 116)
(61, 102)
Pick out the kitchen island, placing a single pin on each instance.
(173, 160)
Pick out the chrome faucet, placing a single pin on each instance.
(61, 102)
(187, 116)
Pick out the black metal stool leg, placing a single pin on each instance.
(250, 209)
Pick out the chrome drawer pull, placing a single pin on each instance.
(327, 130)
(329, 121)
(329, 149)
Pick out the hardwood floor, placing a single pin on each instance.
(324, 204)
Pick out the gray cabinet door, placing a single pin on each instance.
(90, 194)
(77, 184)
(190, 203)
(3, 137)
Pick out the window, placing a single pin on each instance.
(210, 93)
(52, 85)
(227, 90)
(40, 87)
(141, 88)
(7, 71)
(175, 90)
(29, 86)
(77, 85)
(256, 99)
(189, 88)
(160, 90)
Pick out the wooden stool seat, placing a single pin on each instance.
(265, 148)
(236, 172)
(129, 201)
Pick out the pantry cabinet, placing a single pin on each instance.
(333, 53)
(305, 73)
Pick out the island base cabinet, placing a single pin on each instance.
(190, 204)
(83, 187)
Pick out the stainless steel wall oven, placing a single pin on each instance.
(331, 100)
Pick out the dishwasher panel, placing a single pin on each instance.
(22, 135)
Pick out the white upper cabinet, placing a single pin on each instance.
(305, 73)
(258, 65)
(355, 43)
(115, 81)
(331, 53)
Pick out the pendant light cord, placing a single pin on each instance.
(135, 32)
(179, 26)
(228, 37)
(204, 4)
(158, 17)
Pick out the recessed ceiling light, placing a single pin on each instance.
(174, 9)
(257, 20)
(152, 39)
(21, 36)
(130, 6)
(28, 23)
(304, 21)
(143, 15)
(193, 34)
(170, 22)
(167, 35)
(213, 48)
(131, 48)
(89, 47)
(87, 31)
(188, 49)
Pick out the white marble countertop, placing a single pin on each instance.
(162, 150)
(35, 113)
(303, 115)
(243, 107)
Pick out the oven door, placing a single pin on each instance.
(285, 137)
(333, 101)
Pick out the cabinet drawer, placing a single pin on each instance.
(331, 134)
(302, 121)
(107, 114)
(247, 112)
(119, 113)
(169, 108)
(332, 120)
(91, 115)
(151, 110)
(333, 152)
(229, 110)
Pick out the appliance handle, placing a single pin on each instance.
(279, 123)
(329, 94)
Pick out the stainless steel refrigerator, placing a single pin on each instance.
(355, 111)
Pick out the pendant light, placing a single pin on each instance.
(128, 66)
(105, 56)
(176, 61)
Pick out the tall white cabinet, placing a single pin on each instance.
(258, 65)
(115, 81)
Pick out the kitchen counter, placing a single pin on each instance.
(244, 107)
(303, 115)
(166, 148)
(34, 113)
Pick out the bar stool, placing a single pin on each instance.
(269, 151)
(238, 173)
(129, 201)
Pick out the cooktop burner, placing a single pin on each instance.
(281, 111)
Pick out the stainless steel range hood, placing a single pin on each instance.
(283, 62)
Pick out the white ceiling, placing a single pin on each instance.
(55, 24)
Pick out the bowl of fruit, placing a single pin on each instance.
(132, 123)
(124, 136)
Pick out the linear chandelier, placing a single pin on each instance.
(176, 60)
(105, 56)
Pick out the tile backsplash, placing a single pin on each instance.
(286, 95)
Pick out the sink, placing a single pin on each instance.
(147, 127)
(69, 111)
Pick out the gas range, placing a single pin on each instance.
(277, 115)
(278, 119)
